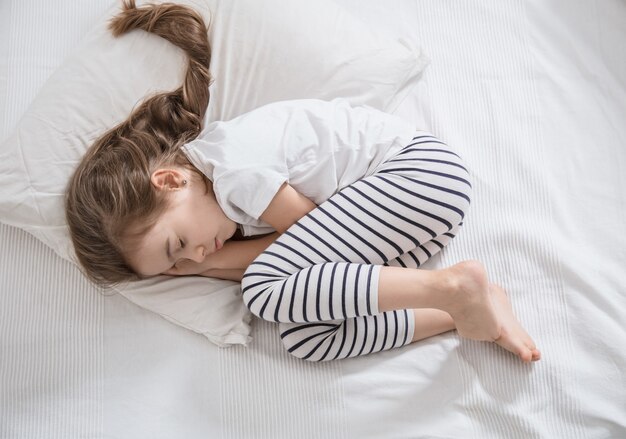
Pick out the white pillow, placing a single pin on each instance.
(263, 51)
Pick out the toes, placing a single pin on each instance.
(530, 344)
(511, 345)
(522, 351)
(536, 355)
(528, 352)
(516, 345)
(529, 355)
(527, 340)
(526, 355)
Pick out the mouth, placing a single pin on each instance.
(218, 244)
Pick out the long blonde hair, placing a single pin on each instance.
(110, 196)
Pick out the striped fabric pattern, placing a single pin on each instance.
(319, 280)
(530, 93)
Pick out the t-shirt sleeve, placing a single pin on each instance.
(316, 146)
(247, 191)
(245, 160)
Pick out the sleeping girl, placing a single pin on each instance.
(322, 211)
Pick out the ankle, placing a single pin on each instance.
(447, 283)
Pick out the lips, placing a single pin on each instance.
(218, 244)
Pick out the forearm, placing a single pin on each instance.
(233, 259)
(286, 208)
(235, 274)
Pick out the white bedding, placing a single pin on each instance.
(533, 93)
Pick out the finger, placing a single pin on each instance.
(174, 271)
(182, 269)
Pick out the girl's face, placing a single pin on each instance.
(192, 227)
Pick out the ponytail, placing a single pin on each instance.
(178, 113)
(110, 198)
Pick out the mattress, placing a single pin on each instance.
(533, 95)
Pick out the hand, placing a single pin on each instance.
(186, 267)
(235, 255)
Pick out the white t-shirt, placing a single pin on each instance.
(318, 147)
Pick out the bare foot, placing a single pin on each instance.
(482, 311)
(513, 337)
(470, 303)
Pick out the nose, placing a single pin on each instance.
(197, 254)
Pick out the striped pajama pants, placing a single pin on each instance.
(319, 279)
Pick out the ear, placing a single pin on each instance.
(168, 179)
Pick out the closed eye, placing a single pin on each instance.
(181, 243)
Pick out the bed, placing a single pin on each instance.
(532, 93)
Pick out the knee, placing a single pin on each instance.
(459, 184)
(465, 177)
(309, 342)
(442, 178)
(300, 352)
(256, 292)
(246, 287)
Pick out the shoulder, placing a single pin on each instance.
(289, 107)
(270, 114)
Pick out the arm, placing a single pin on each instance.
(233, 259)
(228, 263)
(285, 209)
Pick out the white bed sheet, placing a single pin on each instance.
(533, 94)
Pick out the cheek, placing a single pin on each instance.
(202, 218)
(212, 211)
(208, 215)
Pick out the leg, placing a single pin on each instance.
(305, 277)
(348, 338)
(481, 310)
(510, 335)
(411, 201)
(326, 266)
(332, 340)
(430, 322)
